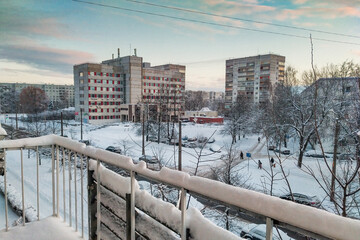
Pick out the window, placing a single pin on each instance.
(81, 81)
(81, 74)
(348, 89)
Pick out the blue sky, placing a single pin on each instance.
(40, 41)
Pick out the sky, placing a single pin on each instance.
(41, 40)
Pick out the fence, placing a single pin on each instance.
(124, 211)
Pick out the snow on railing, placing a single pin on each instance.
(300, 218)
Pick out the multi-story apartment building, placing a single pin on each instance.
(252, 77)
(56, 94)
(119, 88)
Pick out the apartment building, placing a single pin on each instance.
(253, 77)
(120, 88)
(56, 94)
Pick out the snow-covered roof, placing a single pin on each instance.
(205, 109)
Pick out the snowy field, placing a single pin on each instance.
(124, 135)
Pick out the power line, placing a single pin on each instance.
(242, 19)
(212, 23)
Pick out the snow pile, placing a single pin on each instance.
(2, 131)
(15, 203)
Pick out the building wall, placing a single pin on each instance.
(253, 77)
(55, 93)
(114, 90)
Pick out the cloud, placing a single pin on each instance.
(45, 58)
(18, 20)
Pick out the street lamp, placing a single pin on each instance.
(3, 134)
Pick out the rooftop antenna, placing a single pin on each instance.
(135, 52)
(118, 52)
(130, 50)
(112, 56)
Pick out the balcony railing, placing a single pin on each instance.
(109, 193)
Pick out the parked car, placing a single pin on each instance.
(316, 154)
(202, 139)
(282, 150)
(190, 145)
(152, 139)
(87, 142)
(271, 147)
(151, 162)
(211, 140)
(148, 159)
(345, 156)
(215, 149)
(113, 149)
(312, 201)
(258, 232)
(192, 139)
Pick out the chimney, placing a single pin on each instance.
(112, 56)
(118, 52)
(135, 52)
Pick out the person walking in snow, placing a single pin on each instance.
(259, 139)
(272, 161)
(259, 164)
(241, 155)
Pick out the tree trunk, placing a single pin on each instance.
(301, 154)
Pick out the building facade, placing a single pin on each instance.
(120, 88)
(252, 77)
(57, 94)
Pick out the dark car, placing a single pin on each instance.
(258, 232)
(113, 149)
(312, 201)
(148, 159)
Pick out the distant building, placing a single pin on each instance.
(252, 77)
(57, 94)
(120, 88)
(204, 112)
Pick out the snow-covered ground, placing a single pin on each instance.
(124, 135)
(11, 214)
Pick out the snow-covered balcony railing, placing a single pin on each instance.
(111, 194)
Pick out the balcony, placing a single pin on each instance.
(97, 194)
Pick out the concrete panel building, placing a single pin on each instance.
(118, 89)
(63, 94)
(253, 77)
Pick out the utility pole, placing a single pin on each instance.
(62, 128)
(143, 134)
(337, 129)
(179, 156)
(81, 124)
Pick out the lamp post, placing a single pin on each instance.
(3, 134)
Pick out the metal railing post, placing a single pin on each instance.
(22, 185)
(76, 226)
(57, 180)
(132, 205)
(53, 178)
(63, 167)
(6, 200)
(183, 213)
(269, 228)
(37, 184)
(82, 197)
(92, 205)
(69, 169)
(98, 200)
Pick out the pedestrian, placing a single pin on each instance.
(241, 155)
(259, 139)
(272, 161)
(259, 164)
